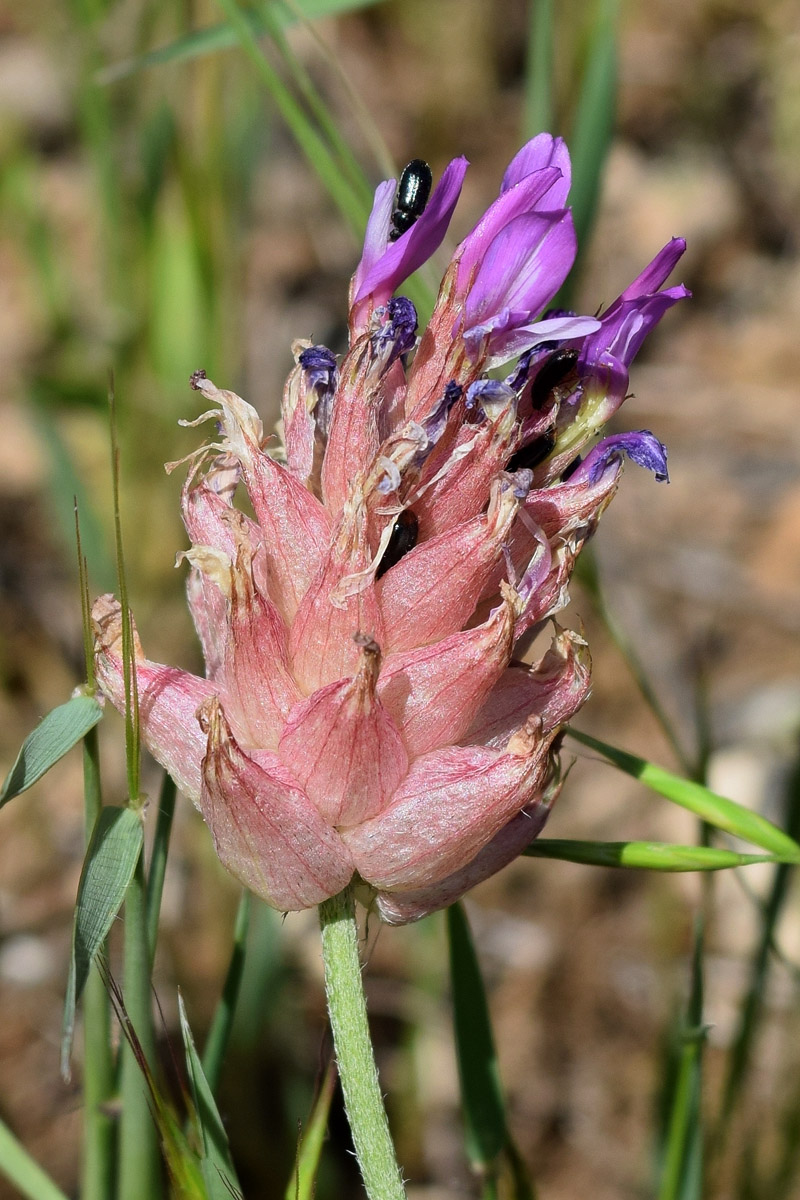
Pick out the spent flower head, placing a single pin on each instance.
(362, 712)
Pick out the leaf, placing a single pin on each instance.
(222, 37)
(108, 868)
(716, 810)
(481, 1090)
(646, 856)
(682, 1152)
(302, 1181)
(55, 734)
(23, 1171)
(216, 1163)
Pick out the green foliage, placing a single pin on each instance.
(107, 871)
(715, 810)
(303, 1180)
(643, 856)
(682, 1149)
(52, 738)
(216, 1164)
(20, 1169)
(481, 1091)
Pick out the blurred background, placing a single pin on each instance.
(157, 217)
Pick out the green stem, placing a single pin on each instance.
(98, 1062)
(139, 1157)
(220, 1031)
(354, 1055)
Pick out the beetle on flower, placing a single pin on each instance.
(362, 712)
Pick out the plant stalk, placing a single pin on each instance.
(347, 1008)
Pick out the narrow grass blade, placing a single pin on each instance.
(181, 1159)
(158, 861)
(264, 979)
(66, 484)
(593, 125)
(589, 575)
(751, 1008)
(220, 1031)
(682, 1171)
(538, 114)
(645, 856)
(303, 1180)
(314, 147)
(216, 1163)
(107, 871)
(140, 1172)
(99, 1127)
(23, 1171)
(481, 1090)
(317, 106)
(716, 810)
(52, 738)
(221, 37)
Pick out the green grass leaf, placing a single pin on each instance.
(539, 94)
(216, 1164)
(682, 1151)
(107, 870)
(645, 856)
(302, 1182)
(593, 126)
(222, 1022)
(214, 38)
(716, 810)
(481, 1090)
(23, 1171)
(55, 734)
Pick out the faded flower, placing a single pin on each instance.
(362, 711)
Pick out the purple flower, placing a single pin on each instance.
(363, 710)
(385, 264)
(607, 354)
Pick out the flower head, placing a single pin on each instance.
(362, 712)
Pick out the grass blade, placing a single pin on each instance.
(538, 113)
(52, 738)
(313, 146)
(23, 1171)
(220, 1031)
(681, 1176)
(107, 871)
(714, 809)
(139, 1158)
(302, 1183)
(645, 856)
(216, 1163)
(220, 37)
(752, 1004)
(158, 861)
(481, 1091)
(593, 126)
(99, 1141)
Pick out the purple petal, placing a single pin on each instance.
(523, 267)
(626, 325)
(508, 337)
(524, 199)
(657, 272)
(542, 151)
(397, 260)
(376, 235)
(641, 446)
